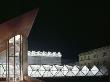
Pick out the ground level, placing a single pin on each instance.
(68, 79)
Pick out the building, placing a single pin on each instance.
(35, 58)
(45, 58)
(100, 56)
(14, 42)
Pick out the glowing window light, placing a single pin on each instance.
(94, 70)
(11, 40)
(53, 70)
(64, 70)
(33, 73)
(98, 73)
(69, 67)
(47, 67)
(29, 68)
(80, 73)
(1, 70)
(35, 67)
(17, 37)
(85, 70)
(75, 70)
(90, 73)
(59, 67)
(47, 74)
(29, 73)
(17, 53)
(59, 71)
(4, 74)
(41, 70)
(37, 74)
(59, 74)
(69, 73)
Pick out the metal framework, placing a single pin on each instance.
(13, 56)
(61, 71)
(10, 29)
(65, 71)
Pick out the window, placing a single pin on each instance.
(81, 58)
(104, 54)
(95, 56)
(88, 57)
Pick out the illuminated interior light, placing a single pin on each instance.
(94, 70)
(75, 69)
(17, 37)
(85, 70)
(53, 71)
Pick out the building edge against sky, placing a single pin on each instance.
(9, 32)
(100, 56)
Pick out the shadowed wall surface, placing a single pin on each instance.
(71, 79)
(76, 79)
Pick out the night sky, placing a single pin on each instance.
(69, 27)
(65, 26)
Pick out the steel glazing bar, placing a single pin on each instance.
(8, 59)
(20, 57)
(14, 59)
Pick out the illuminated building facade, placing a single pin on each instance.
(100, 56)
(37, 58)
(42, 58)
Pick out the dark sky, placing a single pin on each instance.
(65, 26)
(69, 27)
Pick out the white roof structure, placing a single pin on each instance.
(46, 54)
